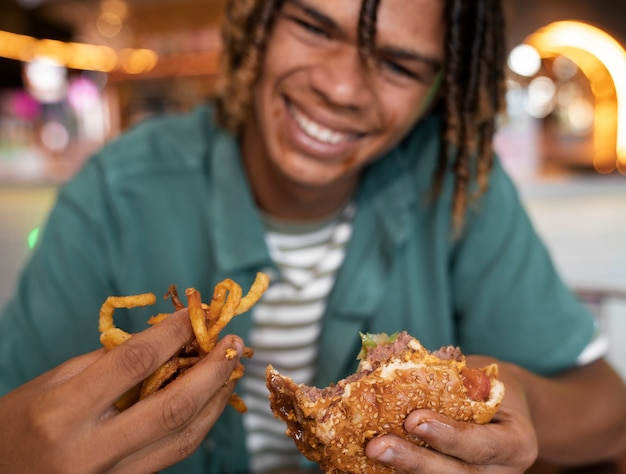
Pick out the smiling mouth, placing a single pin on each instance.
(318, 131)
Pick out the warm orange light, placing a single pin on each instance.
(137, 61)
(596, 53)
(72, 55)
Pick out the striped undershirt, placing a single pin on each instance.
(286, 327)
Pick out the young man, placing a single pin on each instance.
(353, 162)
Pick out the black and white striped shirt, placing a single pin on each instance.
(286, 327)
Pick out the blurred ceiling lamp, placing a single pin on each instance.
(603, 61)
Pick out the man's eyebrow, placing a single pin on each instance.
(396, 52)
(404, 54)
(314, 13)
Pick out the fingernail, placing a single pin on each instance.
(422, 428)
(428, 427)
(239, 346)
(410, 424)
(384, 453)
(417, 425)
(386, 456)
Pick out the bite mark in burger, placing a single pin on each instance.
(396, 375)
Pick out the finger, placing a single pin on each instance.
(473, 443)
(407, 457)
(102, 383)
(173, 408)
(179, 445)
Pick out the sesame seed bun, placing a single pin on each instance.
(332, 426)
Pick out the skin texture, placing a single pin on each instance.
(62, 419)
(546, 417)
(313, 70)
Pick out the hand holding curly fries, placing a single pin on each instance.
(207, 322)
(66, 420)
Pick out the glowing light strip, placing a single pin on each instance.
(573, 34)
(87, 57)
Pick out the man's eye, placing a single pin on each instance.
(398, 69)
(311, 27)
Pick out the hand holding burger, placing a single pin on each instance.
(396, 375)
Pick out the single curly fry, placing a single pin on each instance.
(237, 373)
(225, 292)
(186, 362)
(159, 377)
(207, 312)
(172, 292)
(198, 319)
(157, 318)
(112, 302)
(237, 403)
(231, 292)
(129, 398)
(260, 284)
(217, 302)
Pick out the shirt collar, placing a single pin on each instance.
(391, 188)
(237, 225)
(396, 185)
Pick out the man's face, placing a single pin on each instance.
(320, 113)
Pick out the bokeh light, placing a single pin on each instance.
(603, 61)
(55, 136)
(33, 237)
(524, 60)
(541, 96)
(46, 79)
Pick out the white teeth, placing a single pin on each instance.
(317, 131)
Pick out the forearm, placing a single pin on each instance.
(579, 416)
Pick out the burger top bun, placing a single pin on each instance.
(396, 375)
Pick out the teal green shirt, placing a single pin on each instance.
(169, 203)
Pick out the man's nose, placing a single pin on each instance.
(343, 79)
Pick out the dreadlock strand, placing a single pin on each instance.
(234, 34)
(367, 30)
(492, 91)
(472, 105)
(476, 108)
(245, 39)
(474, 91)
(455, 121)
(449, 125)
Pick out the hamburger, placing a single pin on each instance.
(395, 375)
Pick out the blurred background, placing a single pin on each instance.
(76, 73)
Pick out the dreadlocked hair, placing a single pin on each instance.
(472, 86)
(245, 30)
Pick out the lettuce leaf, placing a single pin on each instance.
(369, 341)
